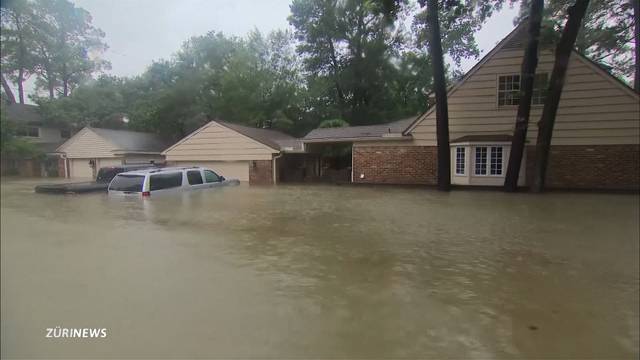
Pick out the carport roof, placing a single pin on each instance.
(389, 131)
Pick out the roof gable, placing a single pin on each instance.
(516, 39)
(131, 141)
(97, 142)
(214, 141)
(86, 143)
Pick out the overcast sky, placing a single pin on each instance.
(140, 31)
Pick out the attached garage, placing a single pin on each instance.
(234, 151)
(93, 148)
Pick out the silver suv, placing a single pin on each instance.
(164, 180)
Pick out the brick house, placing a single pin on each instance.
(595, 143)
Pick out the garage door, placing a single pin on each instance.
(80, 168)
(229, 169)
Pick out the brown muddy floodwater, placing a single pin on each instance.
(321, 272)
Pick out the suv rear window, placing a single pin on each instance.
(194, 177)
(131, 183)
(165, 181)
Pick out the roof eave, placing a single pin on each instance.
(138, 152)
(357, 139)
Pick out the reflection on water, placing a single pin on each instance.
(321, 271)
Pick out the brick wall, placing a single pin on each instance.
(590, 166)
(260, 172)
(395, 164)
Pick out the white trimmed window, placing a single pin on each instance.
(509, 89)
(481, 160)
(489, 160)
(460, 160)
(496, 160)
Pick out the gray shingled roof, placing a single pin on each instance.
(132, 141)
(22, 113)
(367, 132)
(274, 139)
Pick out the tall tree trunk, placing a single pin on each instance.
(527, 76)
(21, 85)
(545, 126)
(339, 91)
(51, 87)
(636, 32)
(7, 90)
(440, 89)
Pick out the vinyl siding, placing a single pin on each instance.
(215, 142)
(88, 144)
(594, 109)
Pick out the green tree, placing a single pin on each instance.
(17, 36)
(68, 45)
(606, 34)
(348, 49)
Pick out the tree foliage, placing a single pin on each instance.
(606, 34)
(53, 39)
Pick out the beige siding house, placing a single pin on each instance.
(595, 141)
(93, 148)
(234, 151)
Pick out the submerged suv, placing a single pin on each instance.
(171, 179)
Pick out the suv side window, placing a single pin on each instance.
(165, 181)
(210, 176)
(194, 177)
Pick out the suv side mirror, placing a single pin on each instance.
(222, 178)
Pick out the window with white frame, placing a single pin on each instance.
(496, 160)
(489, 160)
(509, 89)
(460, 160)
(481, 160)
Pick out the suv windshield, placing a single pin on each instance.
(127, 183)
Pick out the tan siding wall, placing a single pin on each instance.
(216, 142)
(593, 108)
(87, 144)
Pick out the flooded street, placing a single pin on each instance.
(322, 272)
